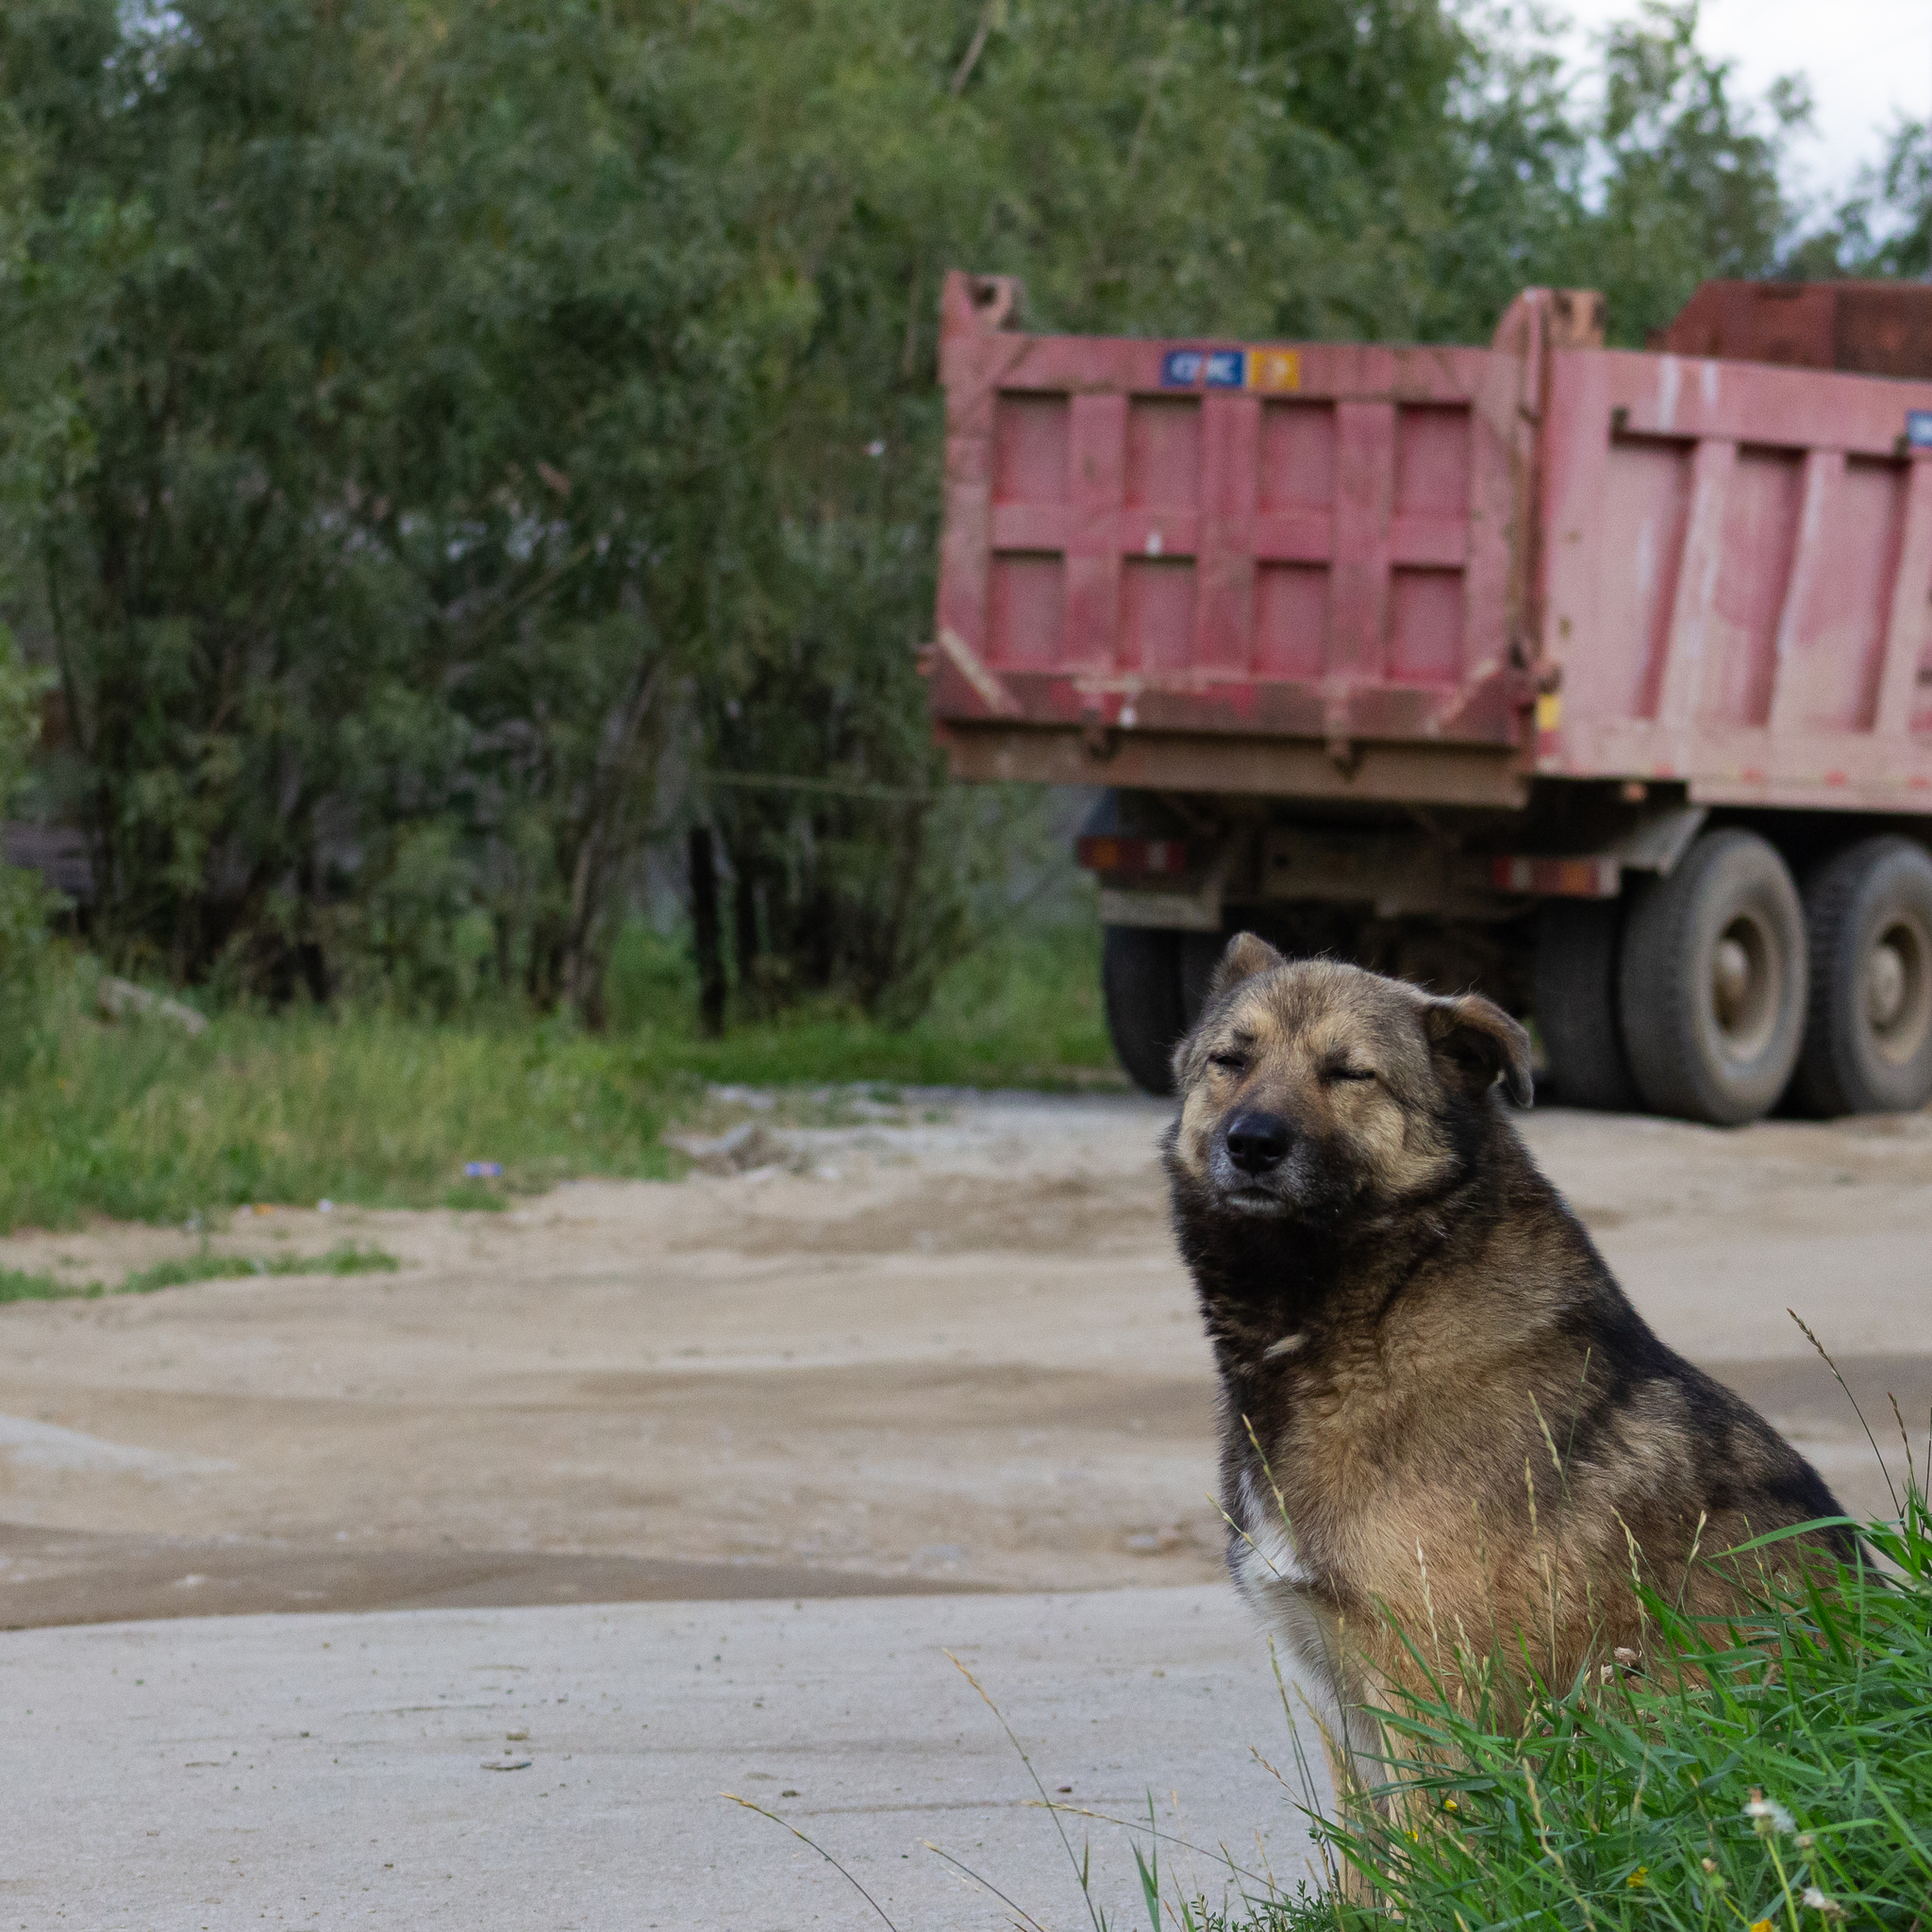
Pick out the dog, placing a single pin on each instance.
(1440, 1411)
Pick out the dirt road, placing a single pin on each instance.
(939, 1344)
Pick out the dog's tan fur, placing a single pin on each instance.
(1439, 1406)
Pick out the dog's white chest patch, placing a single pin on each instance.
(1272, 1573)
(1267, 1558)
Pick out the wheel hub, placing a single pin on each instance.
(1898, 988)
(1730, 977)
(1885, 980)
(1744, 985)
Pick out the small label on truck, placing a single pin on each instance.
(1919, 428)
(1252, 369)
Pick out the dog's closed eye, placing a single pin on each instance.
(1348, 1073)
(1229, 1062)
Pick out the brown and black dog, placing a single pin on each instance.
(1438, 1407)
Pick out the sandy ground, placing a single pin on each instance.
(942, 1344)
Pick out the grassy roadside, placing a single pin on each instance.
(1772, 1774)
(136, 1120)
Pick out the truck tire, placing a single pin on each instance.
(1575, 1004)
(1713, 980)
(1140, 976)
(1200, 953)
(1868, 1035)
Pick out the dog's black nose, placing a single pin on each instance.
(1257, 1141)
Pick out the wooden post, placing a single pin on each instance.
(744, 911)
(705, 933)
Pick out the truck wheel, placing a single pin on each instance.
(1199, 955)
(1140, 976)
(1868, 1037)
(1712, 981)
(1575, 1004)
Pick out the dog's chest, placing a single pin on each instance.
(1341, 1468)
(1267, 1550)
(1274, 1574)
(1345, 1419)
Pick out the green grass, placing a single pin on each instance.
(343, 1258)
(1023, 1011)
(17, 1285)
(1779, 1781)
(136, 1122)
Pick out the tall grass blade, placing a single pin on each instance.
(1081, 1869)
(819, 1849)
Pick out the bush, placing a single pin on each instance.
(435, 443)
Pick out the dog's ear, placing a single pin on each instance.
(1246, 957)
(1474, 1040)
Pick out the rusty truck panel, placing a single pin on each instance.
(1327, 571)
(1868, 328)
(1736, 567)
(1226, 542)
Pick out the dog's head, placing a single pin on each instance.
(1311, 1091)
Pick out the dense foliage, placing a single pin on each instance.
(438, 442)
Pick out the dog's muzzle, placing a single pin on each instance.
(1249, 1153)
(1258, 1142)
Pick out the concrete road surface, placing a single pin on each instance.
(336, 1771)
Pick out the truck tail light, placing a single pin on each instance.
(1559, 878)
(1161, 858)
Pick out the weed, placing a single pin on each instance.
(18, 1285)
(345, 1258)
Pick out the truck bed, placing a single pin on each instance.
(1430, 575)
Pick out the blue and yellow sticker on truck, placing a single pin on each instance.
(1268, 371)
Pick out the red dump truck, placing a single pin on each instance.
(1600, 680)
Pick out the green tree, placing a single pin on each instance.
(406, 378)
(425, 430)
(1693, 186)
(1884, 226)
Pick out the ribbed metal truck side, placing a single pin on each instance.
(1599, 679)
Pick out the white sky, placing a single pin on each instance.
(1867, 61)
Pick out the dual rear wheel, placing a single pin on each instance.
(1868, 1037)
(1715, 992)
